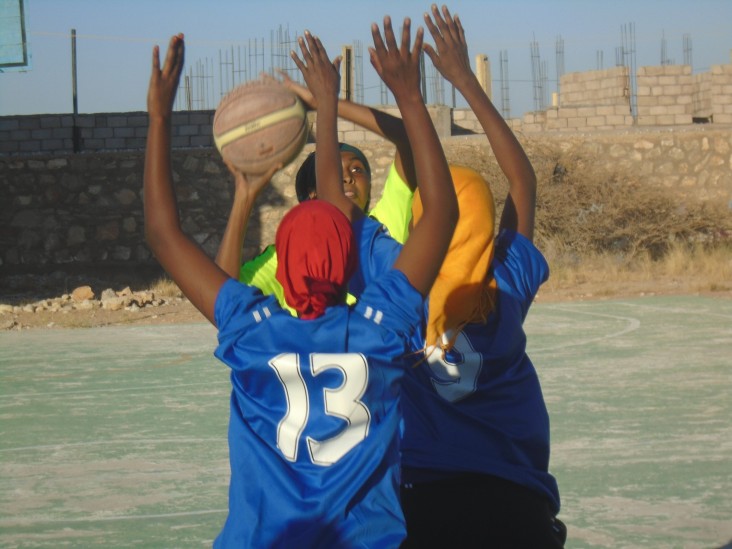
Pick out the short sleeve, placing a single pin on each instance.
(394, 208)
(519, 267)
(239, 306)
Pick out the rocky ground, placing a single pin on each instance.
(82, 308)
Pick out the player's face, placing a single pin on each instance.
(356, 180)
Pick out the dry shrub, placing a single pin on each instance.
(584, 211)
(165, 287)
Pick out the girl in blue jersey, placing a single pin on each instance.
(475, 442)
(475, 447)
(313, 431)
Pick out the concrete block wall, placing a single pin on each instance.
(594, 100)
(701, 98)
(665, 95)
(721, 93)
(595, 88)
(101, 132)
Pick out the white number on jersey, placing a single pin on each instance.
(455, 381)
(343, 402)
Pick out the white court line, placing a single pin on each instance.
(32, 521)
(676, 310)
(633, 324)
(146, 388)
(126, 441)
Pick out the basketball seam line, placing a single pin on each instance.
(295, 111)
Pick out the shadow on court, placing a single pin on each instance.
(116, 436)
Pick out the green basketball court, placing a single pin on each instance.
(116, 437)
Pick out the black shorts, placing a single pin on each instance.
(473, 510)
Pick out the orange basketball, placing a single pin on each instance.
(259, 124)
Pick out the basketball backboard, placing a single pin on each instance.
(14, 50)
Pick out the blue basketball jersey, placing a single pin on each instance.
(377, 251)
(313, 433)
(481, 409)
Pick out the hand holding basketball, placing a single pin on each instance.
(259, 125)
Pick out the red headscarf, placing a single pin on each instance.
(316, 257)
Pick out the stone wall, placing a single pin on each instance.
(84, 211)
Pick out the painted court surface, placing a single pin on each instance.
(116, 437)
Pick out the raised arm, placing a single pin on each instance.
(195, 273)
(323, 79)
(246, 191)
(452, 60)
(398, 66)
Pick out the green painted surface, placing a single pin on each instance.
(116, 437)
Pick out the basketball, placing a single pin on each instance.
(259, 124)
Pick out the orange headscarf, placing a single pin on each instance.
(462, 292)
(316, 257)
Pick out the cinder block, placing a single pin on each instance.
(117, 121)
(52, 145)
(557, 123)
(31, 146)
(7, 124)
(84, 121)
(188, 129)
(577, 122)
(665, 119)
(137, 121)
(667, 80)
(29, 123)
(646, 120)
(181, 142)
(50, 122)
(114, 143)
(103, 133)
(41, 134)
(198, 141)
(124, 132)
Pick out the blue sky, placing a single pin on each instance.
(114, 40)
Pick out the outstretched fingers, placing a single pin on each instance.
(174, 58)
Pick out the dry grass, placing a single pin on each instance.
(609, 231)
(164, 287)
(683, 268)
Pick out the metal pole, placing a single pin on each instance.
(75, 134)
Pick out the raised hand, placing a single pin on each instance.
(305, 95)
(322, 76)
(164, 82)
(397, 65)
(451, 57)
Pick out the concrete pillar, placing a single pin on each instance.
(483, 72)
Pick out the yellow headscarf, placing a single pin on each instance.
(462, 292)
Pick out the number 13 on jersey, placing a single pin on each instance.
(343, 401)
